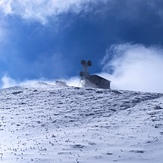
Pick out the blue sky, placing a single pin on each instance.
(40, 39)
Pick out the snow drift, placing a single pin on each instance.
(44, 123)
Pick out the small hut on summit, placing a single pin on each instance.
(94, 81)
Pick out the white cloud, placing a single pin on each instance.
(136, 67)
(6, 6)
(40, 10)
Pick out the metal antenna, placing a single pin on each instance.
(85, 65)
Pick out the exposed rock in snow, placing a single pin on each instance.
(45, 123)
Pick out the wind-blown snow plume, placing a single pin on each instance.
(135, 67)
(7, 82)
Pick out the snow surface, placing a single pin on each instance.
(43, 123)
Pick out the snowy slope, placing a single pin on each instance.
(42, 123)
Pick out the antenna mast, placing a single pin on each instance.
(85, 65)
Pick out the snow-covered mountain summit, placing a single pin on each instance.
(44, 123)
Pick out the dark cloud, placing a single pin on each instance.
(55, 48)
(91, 33)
